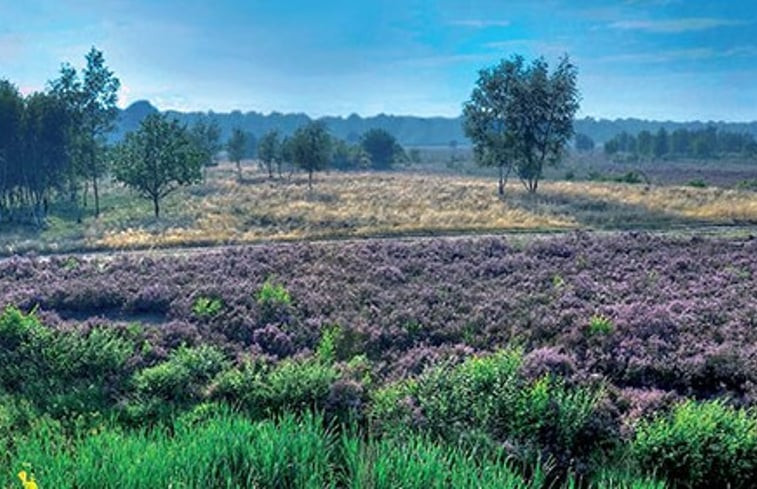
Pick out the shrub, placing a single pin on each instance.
(701, 444)
(697, 183)
(272, 293)
(64, 372)
(182, 377)
(206, 307)
(291, 385)
(600, 325)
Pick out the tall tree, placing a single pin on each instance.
(206, 133)
(99, 112)
(11, 120)
(236, 147)
(311, 148)
(157, 159)
(381, 147)
(269, 149)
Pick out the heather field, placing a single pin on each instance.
(606, 361)
(223, 210)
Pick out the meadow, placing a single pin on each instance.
(405, 203)
(584, 360)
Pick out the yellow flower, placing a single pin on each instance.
(27, 481)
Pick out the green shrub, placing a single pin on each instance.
(272, 293)
(63, 372)
(701, 444)
(697, 183)
(206, 307)
(291, 385)
(183, 376)
(488, 395)
(600, 325)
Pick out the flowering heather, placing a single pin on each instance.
(683, 311)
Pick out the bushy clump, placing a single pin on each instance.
(488, 394)
(67, 372)
(599, 326)
(205, 307)
(701, 444)
(272, 293)
(183, 376)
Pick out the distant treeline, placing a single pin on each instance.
(683, 143)
(409, 130)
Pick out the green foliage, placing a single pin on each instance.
(701, 444)
(206, 307)
(311, 147)
(62, 372)
(206, 135)
(381, 147)
(236, 148)
(272, 293)
(158, 158)
(269, 149)
(599, 326)
(293, 384)
(183, 376)
(509, 108)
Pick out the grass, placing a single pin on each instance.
(223, 211)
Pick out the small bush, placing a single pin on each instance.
(701, 444)
(182, 377)
(272, 293)
(206, 307)
(600, 325)
(697, 183)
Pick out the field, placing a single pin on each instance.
(224, 211)
(623, 360)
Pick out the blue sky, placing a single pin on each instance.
(661, 59)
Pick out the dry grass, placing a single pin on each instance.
(369, 204)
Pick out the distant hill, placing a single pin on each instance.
(409, 130)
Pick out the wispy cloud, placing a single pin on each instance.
(479, 23)
(694, 54)
(675, 25)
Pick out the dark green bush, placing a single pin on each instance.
(65, 372)
(183, 376)
(701, 444)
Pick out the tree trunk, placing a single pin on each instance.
(310, 180)
(501, 188)
(156, 206)
(97, 195)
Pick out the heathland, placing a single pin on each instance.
(226, 210)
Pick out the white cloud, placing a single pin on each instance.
(675, 25)
(480, 23)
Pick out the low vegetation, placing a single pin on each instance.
(579, 361)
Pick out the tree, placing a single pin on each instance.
(311, 148)
(584, 143)
(99, 94)
(645, 143)
(157, 159)
(236, 147)
(269, 149)
(521, 116)
(206, 135)
(661, 143)
(381, 147)
(11, 120)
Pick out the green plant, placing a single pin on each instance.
(697, 183)
(700, 444)
(600, 325)
(207, 307)
(182, 377)
(272, 293)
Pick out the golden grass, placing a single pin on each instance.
(370, 204)
(365, 204)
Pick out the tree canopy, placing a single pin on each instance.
(311, 148)
(381, 147)
(157, 159)
(520, 116)
(236, 147)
